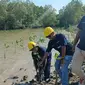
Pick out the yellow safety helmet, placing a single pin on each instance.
(48, 31)
(31, 45)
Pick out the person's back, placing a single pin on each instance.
(57, 43)
(81, 26)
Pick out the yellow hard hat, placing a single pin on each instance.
(48, 31)
(31, 45)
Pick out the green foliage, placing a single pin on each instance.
(23, 14)
(21, 39)
(6, 45)
(37, 39)
(32, 37)
(41, 40)
(49, 17)
(71, 14)
(71, 29)
(18, 14)
(17, 42)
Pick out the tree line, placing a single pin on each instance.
(25, 14)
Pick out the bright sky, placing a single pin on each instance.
(58, 4)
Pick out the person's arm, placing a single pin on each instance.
(63, 53)
(35, 61)
(35, 65)
(63, 42)
(76, 39)
(48, 50)
(45, 56)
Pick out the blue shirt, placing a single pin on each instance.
(57, 43)
(81, 26)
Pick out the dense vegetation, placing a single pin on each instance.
(17, 14)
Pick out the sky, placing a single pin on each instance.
(57, 4)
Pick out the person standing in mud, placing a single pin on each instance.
(37, 55)
(59, 43)
(79, 48)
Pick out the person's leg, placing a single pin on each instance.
(82, 79)
(77, 61)
(57, 67)
(64, 70)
